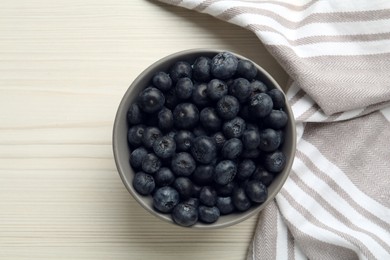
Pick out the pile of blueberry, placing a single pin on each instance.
(205, 138)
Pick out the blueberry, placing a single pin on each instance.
(134, 115)
(185, 115)
(183, 164)
(184, 186)
(196, 190)
(224, 65)
(151, 100)
(164, 177)
(165, 119)
(219, 140)
(184, 88)
(135, 134)
(185, 214)
(224, 172)
(256, 191)
(151, 163)
(199, 131)
(203, 174)
(250, 139)
(245, 114)
(151, 134)
(250, 126)
(162, 81)
(199, 95)
(225, 205)
(260, 105)
(234, 127)
(208, 214)
(262, 175)
(193, 202)
(232, 148)
(241, 89)
(172, 133)
(171, 99)
(277, 97)
(275, 162)
(281, 136)
(151, 119)
(180, 69)
(184, 140)
(216, 89)
(225, 190)
(165, 199)
(208, 196)
(143, 183)
(209, 119)
(245, 169)
(228, 107)
(258, 87)
(269, 140)
(250, 154)
(246, 69)
(277, 119)
(137, 156)
(202, 69)
(164, 147)
(203, 149)
(240, 199)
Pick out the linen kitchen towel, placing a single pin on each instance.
(336, 202)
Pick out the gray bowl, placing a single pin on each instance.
(122, 152)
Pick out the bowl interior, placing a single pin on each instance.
(122, 152)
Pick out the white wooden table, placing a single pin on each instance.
(64, 66)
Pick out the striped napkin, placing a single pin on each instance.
(336, 202)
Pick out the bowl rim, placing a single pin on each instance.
(122, 107)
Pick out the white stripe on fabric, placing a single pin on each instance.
(190, 4)
(386, 113)
(281, 239)
(313, 29)
(327, 219)
(310, 230)
(302, 105)
(327, 48)
(318, 116)
(292, 90)
(219, 7)
(332, 171)
(300, 128)
(297, 15)
(298, 254)
(350, 114)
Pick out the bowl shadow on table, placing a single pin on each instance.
(231, 37)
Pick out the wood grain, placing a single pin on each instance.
(64, 66)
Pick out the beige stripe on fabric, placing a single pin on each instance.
(202, 6)
(264, 240)
(300, 94)
(321, 38)
(172, 2)
(311, 246)
(366, 162)
(335, 17)
(308, 113)
(290, 246)
(361, 80)
(338, 188)
(310, 191)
